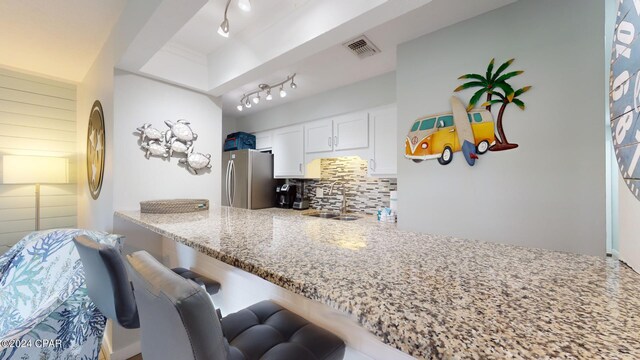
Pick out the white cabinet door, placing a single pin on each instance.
(351, 131)
(288, 151)
(318, 136)
(264, 140)
(384, 161)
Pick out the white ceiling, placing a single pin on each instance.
(200, 33)
(178, 43)
(55, 38)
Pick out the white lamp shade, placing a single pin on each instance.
(34, 170)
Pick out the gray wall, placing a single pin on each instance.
(377, 91)
(228, 126)
(548, 193)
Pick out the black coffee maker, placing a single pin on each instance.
(285, 195)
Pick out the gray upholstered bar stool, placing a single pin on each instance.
(108, 283)
(179, 322)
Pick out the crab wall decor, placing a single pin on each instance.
(176, 141)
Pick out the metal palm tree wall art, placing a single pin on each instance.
(469, 129)
(495, 84)
(177, 140)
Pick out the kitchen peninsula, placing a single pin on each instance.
(428, 296)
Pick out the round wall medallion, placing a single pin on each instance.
(95, 150)
(624, 96)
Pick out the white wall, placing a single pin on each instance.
(139, 100)
(377, 91)
(97, 85)
(629, 230)
(548, 193)
(37, 117)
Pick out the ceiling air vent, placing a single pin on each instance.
(362, 47)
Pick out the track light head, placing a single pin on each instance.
(244, 5)
(256, 99)
(247, 103)
(269, 97)
(293, 84)
(223, 30)
(282, 92)
(239, 107)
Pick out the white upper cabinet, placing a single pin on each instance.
(264, 140)
(351, 131)
(384, 155)
(288, 151)
(318, 136)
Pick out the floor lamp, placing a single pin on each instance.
(35, 170)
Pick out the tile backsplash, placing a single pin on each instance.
(364, 194)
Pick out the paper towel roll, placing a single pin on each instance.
(393, 200)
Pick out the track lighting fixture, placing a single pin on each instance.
(266, 88)
(244, 5)
(223, 30)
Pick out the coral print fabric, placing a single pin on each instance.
(45, 312)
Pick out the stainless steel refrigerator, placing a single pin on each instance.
(247, 179)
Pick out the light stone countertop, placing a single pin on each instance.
(429, 296)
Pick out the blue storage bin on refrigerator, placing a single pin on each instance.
(239, 140)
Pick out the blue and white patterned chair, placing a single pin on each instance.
(43, 297)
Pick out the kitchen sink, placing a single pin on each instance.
(346, 217)
(332, 215)
(323, 214)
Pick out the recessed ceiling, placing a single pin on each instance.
(337, 66)
(200, 33)
(56, 38)
(281, 37)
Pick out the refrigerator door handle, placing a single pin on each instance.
(233, 174)
(228, 183)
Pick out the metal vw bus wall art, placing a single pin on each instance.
(470, 130)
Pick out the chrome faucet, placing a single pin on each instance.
(343, 208)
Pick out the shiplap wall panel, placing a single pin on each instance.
(45, 213)
(25, 97)
(21, 202)
(7, 118)
(37, 110)
(35, 133)
(10, 82)
(38, 80)
(45, 190)
(37, 117)
(8, 142)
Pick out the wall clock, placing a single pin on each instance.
(95, 150)
(624, 96)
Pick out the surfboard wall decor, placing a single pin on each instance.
(470, 130)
